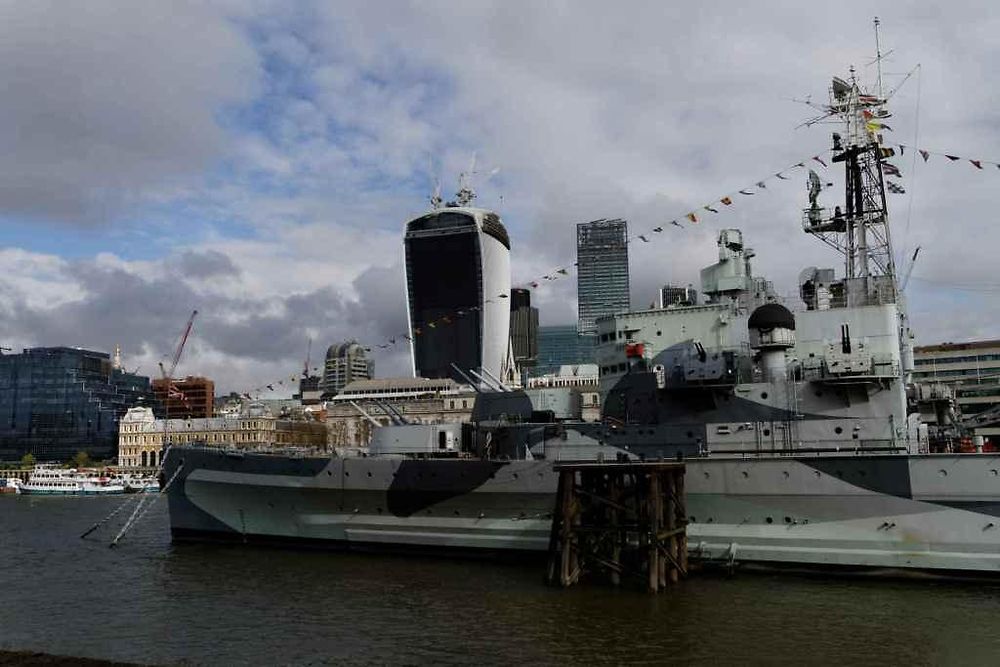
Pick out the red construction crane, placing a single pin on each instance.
(180, 348)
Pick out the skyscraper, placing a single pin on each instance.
(602, 271)
(345, 363)
(523, 328)
(458, 291)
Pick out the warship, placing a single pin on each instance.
(798, 424)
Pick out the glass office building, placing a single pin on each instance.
(562, 346)
(602, 271)
(57, 401)
(458, 293)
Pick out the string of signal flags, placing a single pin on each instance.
(692, 217)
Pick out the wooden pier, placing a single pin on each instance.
(625, 520)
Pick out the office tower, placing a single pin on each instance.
(602, 271)
(345, 363)
(57, 401)
(458, 293)
(523, 328)
(562, 346)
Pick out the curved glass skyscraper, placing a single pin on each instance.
(458, 292)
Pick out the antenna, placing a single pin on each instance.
(859, 231)
(878, 57)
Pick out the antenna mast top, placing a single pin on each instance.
(860, 231)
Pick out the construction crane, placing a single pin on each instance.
(168, 375)
(305, 367)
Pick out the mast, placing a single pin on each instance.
(859, 230)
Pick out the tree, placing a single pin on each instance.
(28, 460)
(81, 460)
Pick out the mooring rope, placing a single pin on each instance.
(112, 515)
(139, 512)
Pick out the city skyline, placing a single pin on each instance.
(266, 181)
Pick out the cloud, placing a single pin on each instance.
(104, 101)
(267, 157)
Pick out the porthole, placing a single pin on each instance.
(838, 430)
(707, 475)
(788, 519)
(745, 474)
(369, 474)
(943, 472)
(347, 474)
(710, 520)
(690, 434)
(994, 472)
(769, 520)
(784, 474)
(691, 519)
(767, 431)
(763, 395)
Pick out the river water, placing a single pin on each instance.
(150, 601)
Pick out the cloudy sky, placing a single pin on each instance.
(258, 160)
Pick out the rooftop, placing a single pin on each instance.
(951, 347)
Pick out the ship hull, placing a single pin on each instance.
(937, 512)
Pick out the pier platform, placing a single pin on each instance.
(623, 520)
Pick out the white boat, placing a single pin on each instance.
(141, 485)
(50, 481)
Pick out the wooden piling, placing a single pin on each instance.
(624, 520)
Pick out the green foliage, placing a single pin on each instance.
(28, 460)
(82, 460)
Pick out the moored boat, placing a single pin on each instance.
(52, 481)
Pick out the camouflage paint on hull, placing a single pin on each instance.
(934, 512)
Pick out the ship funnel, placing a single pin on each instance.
(772, 332)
